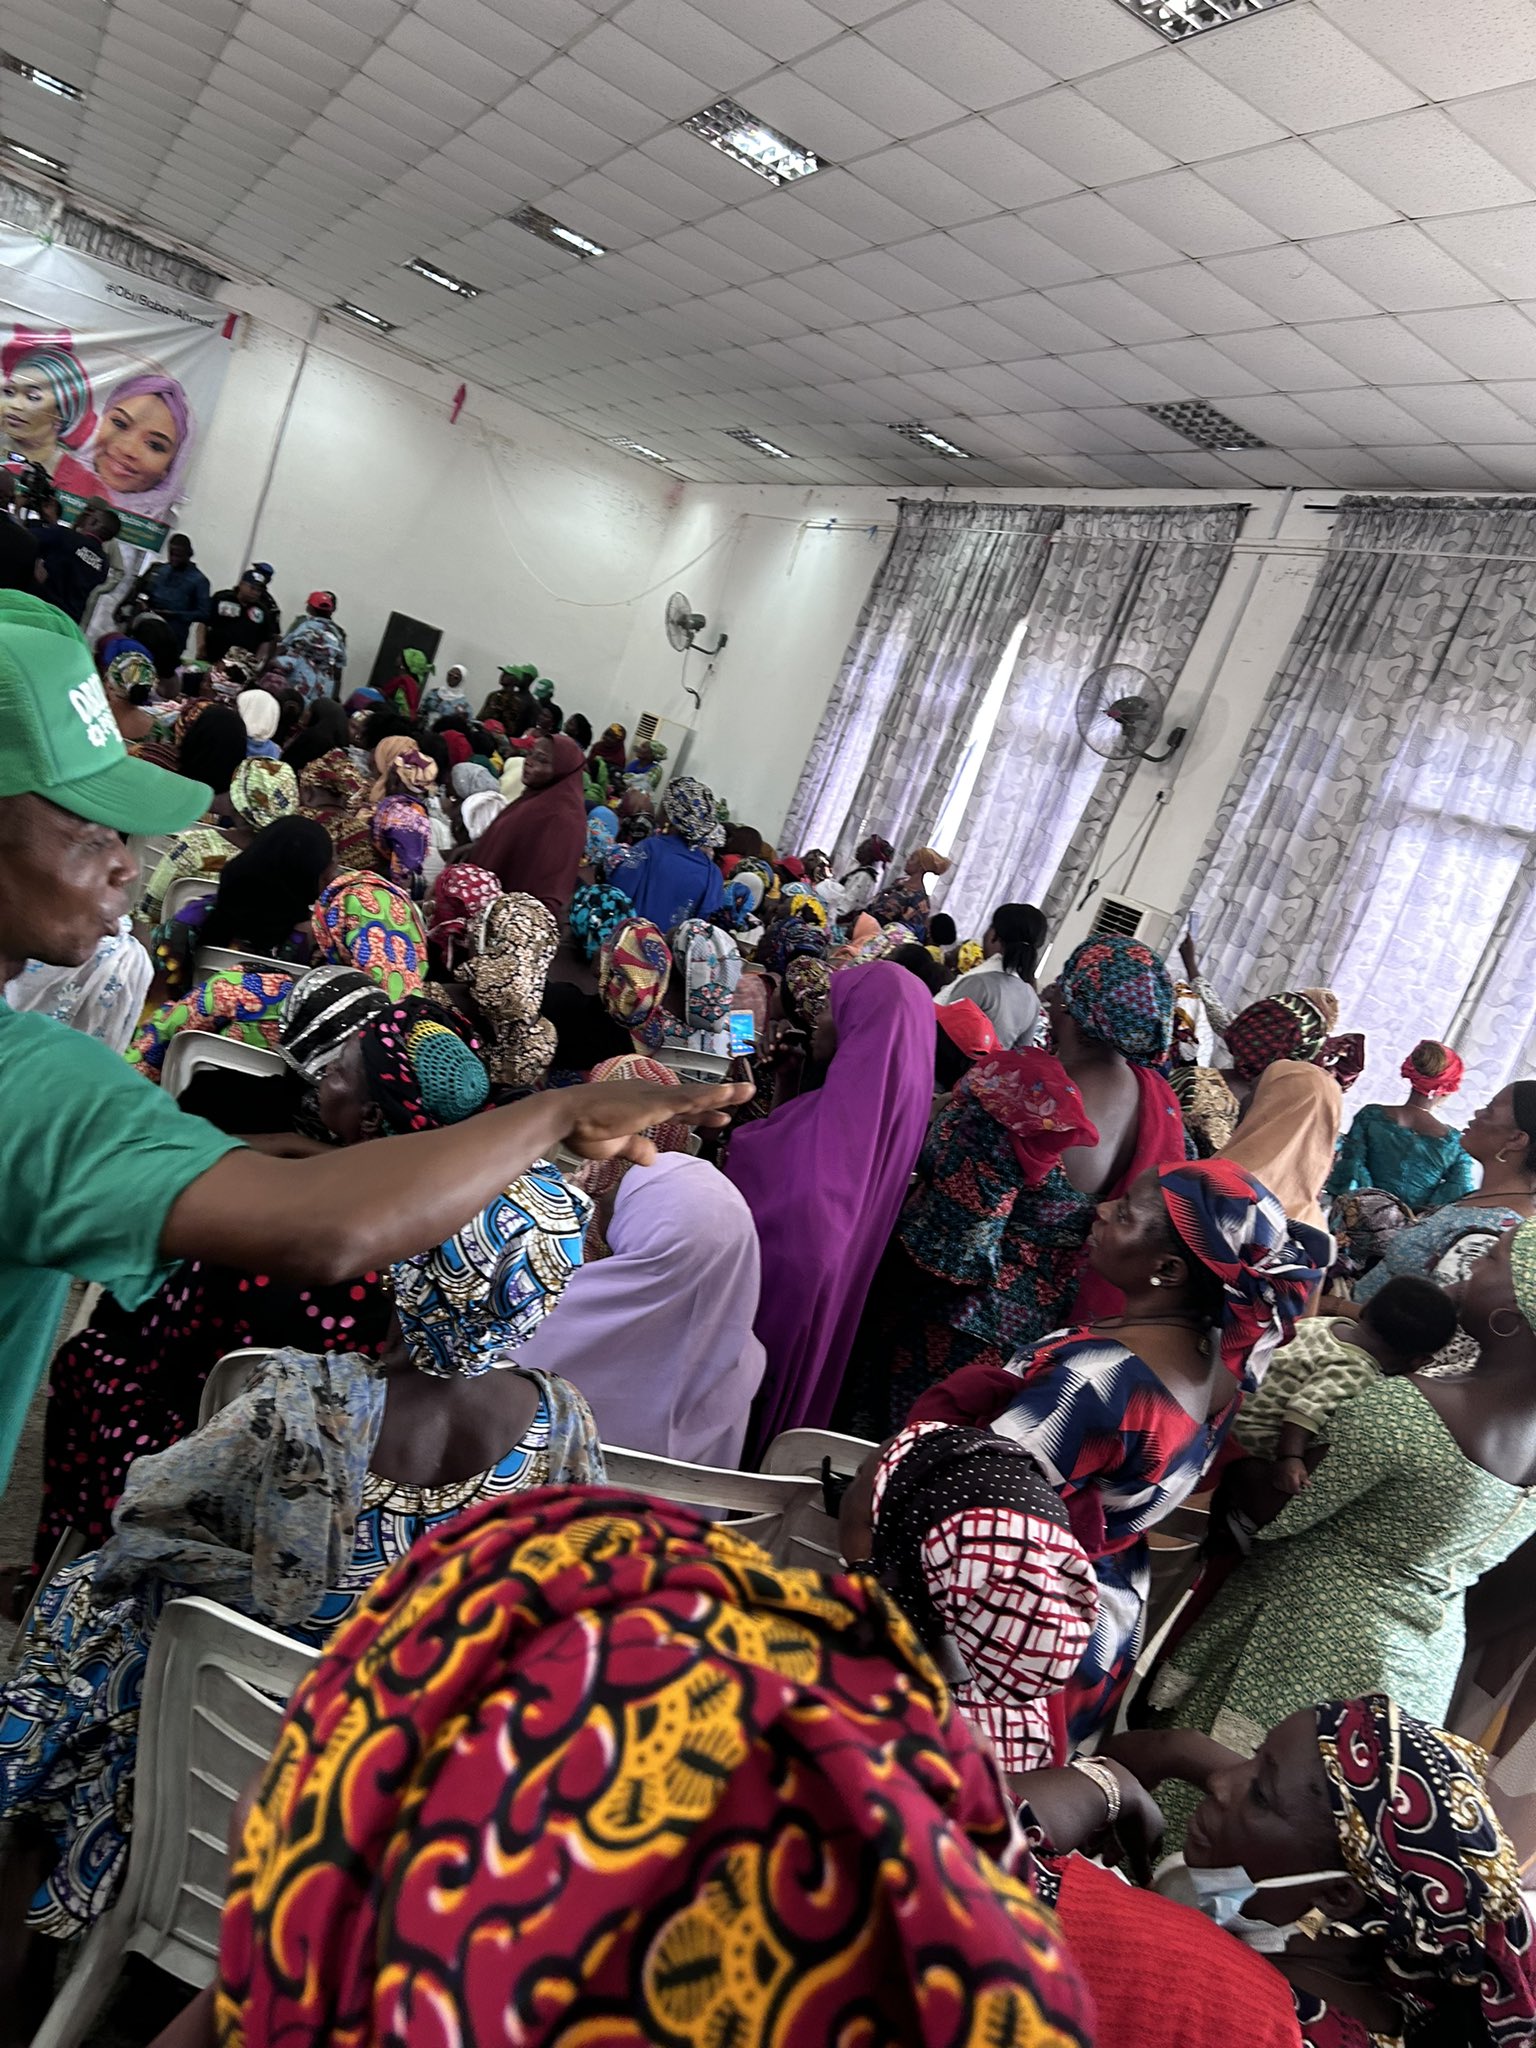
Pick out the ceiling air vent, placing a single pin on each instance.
(1177, 19)
(1203, 424)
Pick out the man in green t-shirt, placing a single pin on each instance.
(103, 1176)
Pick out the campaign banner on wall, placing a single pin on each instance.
(107, 379)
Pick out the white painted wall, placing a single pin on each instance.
(523, 540)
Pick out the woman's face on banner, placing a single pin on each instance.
(29, 411)
(135, 444)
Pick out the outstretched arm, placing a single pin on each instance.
(319, 1220)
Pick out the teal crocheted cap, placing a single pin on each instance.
(451, 1078)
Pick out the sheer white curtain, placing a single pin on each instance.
(1379, 836)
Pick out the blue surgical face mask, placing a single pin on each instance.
(1221, 1894)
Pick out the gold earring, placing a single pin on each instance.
(1312, 1923)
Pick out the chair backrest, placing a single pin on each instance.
(190, 1050)
(801, 1451)
(230, 1376)
(224, 959)
(184, 890)
(214, 1694)
(758, 1505)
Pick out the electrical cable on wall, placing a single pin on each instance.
(1143, 832)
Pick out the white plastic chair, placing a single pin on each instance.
(811, 1540)
(213, 1701)
(191, 1051)
(222, 959)
(760, 1505)
(184, 890)
(230, 1376)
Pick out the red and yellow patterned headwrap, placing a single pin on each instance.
(587, 1768)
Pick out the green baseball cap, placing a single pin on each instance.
(58, 738)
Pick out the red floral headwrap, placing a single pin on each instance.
(1432, 1069)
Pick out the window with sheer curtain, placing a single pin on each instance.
(1379, 836)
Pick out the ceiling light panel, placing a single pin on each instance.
(46, 81)
(1179, 19)
(639, 448)
(1203, 424)
(433, 275)
(36, 159)
(750, 440)
(728, 127)
(548, 229)
(362, 313)
(925, 437)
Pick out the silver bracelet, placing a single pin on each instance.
(1104, 1778)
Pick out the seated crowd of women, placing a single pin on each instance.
(1077, 1290)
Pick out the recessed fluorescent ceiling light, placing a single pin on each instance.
(1177, 19)
(362, 313)
(37, 159)
(750, 440)
(925, 437)
(61, 87)
(549, 230)
(1203, 424)
(435, 276)
(728, 127)
(639, 448)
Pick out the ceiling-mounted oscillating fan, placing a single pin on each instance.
(1118, 715)
(684, 625)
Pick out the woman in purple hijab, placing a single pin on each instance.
(825, 1177)
(658, 1336)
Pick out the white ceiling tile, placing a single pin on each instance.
(907, 289)
(710, 170)
(814, 118)
(634, 69)
(1462, 412)
(553, 122)
(1438, 469)
(1180, 108)
(638, 172)
(1486, 342)
(783, 294)
(1299, 68)
(1033, 317)
(1422, 164)
(857, 206)
(711, 253)
(1080, 139)
(1505, 124)
(1198, 301)
(786, 30)
(994, 386)
(503, 44)
(1282, 423)
(957, 55)
(411, 81)
(616, 112)
(1134, 428)
(976, 328)
(1361, 414)
(803, 227)
(1514, 468)
(932, 195)
(1288, 284)
(687, 37)
(1189, 215)
(865, 79)
(419, 42)
(615, 201)
(991, 163)
(1445, 51)
(1200, 368)
(1089, 228)
(1109, 309)
(1067, 41)
(506, 154)
(846, 295)
(1278, 467)
(1381, 351)
(1498, 247)
(1021, 251)
(1296, 192)
(1206, 472)
(1125, 376)
(1399, 268)
(1061, 383)
(1352, 469)
(962, 273)
(832, 354)
(929, 343)
(1284, 359)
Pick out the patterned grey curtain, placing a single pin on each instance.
(956, 581)
(1379, 834)
(1128, 586)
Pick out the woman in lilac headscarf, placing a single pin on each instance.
(824, 1177)
(658, 1335)
(140, 453)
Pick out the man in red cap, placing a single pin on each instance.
(312, 654)
(103, 1176)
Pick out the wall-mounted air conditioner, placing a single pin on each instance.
(1132, 920)
(674, 736)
